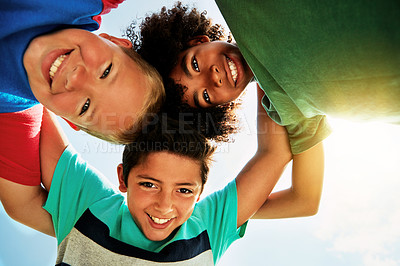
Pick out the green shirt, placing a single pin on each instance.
(313, 58)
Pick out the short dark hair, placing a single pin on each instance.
(159, 39)
(168, 135)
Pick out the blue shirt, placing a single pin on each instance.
(22, 21)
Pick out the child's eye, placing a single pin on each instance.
(147, 184)
(206, 97)
(195, 65)
(85, 107)
(185, 191)
(106, 72)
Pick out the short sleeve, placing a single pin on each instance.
(75, 187)
(304, 132)
(220, 208)
(19, 147)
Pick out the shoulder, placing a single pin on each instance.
(217, 203)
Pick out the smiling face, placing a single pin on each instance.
(87, 79)
(213, 72)
(160, 197)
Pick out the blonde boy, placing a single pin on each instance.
(97, 83)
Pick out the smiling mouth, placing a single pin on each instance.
(56, 64)
(159, 220)
(233, 69)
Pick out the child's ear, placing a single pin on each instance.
(118, 41)
(198, 40)
(122, 186)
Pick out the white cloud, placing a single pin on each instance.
(376, 261)
(359, 213)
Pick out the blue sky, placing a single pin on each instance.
(358, 221)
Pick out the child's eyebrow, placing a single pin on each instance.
(186, 184)
(184, 66)
(196, 99)
(159, 181)
(92, 114)
(149, 178)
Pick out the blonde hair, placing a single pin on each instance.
(155, 97)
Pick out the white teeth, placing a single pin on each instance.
(233, 69)
(158, 220)
(55, 65)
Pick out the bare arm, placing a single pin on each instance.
(257, 179)
(24, 203)
(303, 198)
(52, 144)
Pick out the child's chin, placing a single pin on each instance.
(156, 238)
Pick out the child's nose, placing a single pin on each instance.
(216, 76)
(76, 78)
(164, 203)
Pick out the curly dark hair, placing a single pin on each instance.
(159, 39)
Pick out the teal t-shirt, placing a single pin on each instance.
(312, 58)
(93, 224)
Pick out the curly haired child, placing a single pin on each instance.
(311, 60)
(160, 38)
